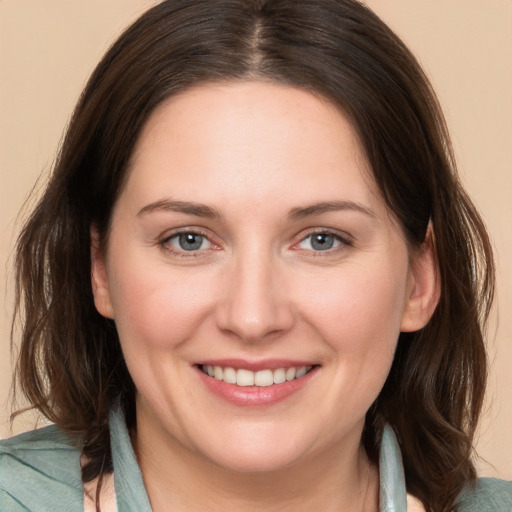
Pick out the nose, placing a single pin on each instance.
(254, 305)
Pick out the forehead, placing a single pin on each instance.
(252, 141)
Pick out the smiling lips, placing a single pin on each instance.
(263, 378)
(244, 384)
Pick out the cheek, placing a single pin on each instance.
(358, 314)
(358, 303)
(359, 319)
(156, 308)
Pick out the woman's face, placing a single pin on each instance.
(250, 241)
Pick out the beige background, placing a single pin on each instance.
(49, 47)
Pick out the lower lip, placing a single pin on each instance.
(245, 396)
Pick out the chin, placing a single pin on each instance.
(255, 448)
(257, 460)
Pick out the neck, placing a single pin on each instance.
(181, 480)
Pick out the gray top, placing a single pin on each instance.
(40, 472)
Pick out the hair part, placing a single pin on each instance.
(70, 365)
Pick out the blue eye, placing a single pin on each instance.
(320, 242)
(188, 242)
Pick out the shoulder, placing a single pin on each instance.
(40, 470)
(486, 495)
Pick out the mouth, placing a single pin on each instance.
(263, 378)
(256, 383)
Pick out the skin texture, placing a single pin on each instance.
(257, 288)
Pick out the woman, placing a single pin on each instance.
(254, 281)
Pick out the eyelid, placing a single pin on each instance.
(163, 242)
(345, 239)
(175, 241)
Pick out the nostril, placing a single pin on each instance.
(256, 322)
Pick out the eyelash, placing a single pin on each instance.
(165, 243)
(344, 242)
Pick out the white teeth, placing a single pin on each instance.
(279, 376)
(245, 378)
(229, 376)
(301, 372)
(262, 378)
(290, 373)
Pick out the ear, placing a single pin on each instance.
(99, 277)
(424, 286)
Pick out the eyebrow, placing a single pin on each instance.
(298, 213)
(329, 206)
(187, 207)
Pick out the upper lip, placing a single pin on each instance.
(255, 366)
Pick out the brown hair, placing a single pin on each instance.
(70, 364)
